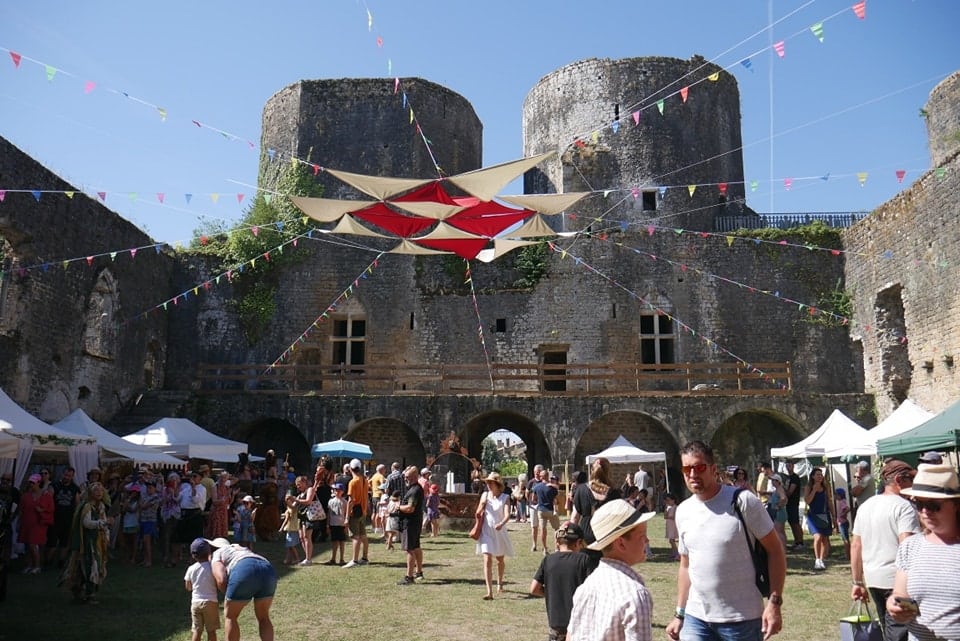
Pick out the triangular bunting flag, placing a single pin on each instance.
(660, 106)
(36, 194)
(163, 114)
(102, 195)
(817, 30)
(161, 196)
(188, 197)
(900, 174)
(69, 194)
(714, 76)
(683, 93)
(860, 9)
(16, 59)
(862, 178)
(636, 117)
(787, 183)
(51, 72)
(753, 185)
(779, 48)
(691, 189)
(239, 198)
(214, 197)
(723, 188)
(747, 64)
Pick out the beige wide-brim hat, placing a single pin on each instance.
(613, 520)
(493, 477)
(934, 482)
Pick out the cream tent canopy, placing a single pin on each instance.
(837, 434)
(182, 437)
(427, 219)
(77, 422)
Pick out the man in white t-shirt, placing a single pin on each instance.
(717, 596)
(881, 525)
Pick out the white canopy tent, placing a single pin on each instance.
(623, 451)
(838, 433)
(906, 417)
(32, 435)
(184, 438)
(111, 445)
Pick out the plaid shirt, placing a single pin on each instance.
(613, 604)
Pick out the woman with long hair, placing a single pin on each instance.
(220, 509)
(494, 542)
(819, 516)
(305, 495)
(36, 515)
(90, 538)
(924, 596)
(588, 497)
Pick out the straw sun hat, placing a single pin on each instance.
(493, 477)
(613, 520)
(934, 482)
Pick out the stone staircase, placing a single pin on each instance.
(152, 406)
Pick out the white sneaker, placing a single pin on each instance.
(305, 563)
(350, 564)
(818, 565)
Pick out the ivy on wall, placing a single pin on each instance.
(267, 224)
(532, 263)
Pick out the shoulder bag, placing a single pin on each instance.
(477, 528)
(758, 553)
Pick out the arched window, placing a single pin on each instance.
(100, 330)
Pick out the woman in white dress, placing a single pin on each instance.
(494, 542)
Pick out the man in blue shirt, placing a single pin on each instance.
(546, 491)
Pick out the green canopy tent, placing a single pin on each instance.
(942, 432)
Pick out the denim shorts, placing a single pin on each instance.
(696, 630)
(251, 578)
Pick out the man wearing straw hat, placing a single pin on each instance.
(613, 604)
(717, 596)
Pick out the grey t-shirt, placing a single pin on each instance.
(879, 524)
(722, 579)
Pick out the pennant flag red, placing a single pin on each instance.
(89, 86)
(380, 42)
(16, 59)
(396, 86)
(900, 174)
(89, 260)
(636, 117)
(255, 230)
(787, 183)
(683, 93)
(635, 192)
(3, 194)
(779, 48)
(239, 198)
(723, 188)
(860, 9)
(316, 169)
(160, 196)
(133, 253)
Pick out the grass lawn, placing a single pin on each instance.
(329, 603)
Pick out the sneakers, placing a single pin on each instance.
(305, 563)
(405, 581)
(818, 565)
(350, 564)
(363, 562)
(418, 577)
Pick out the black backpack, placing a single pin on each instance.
(761, 560)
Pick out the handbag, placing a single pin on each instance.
(315, 511)
(477, 526)
(758, 553)
(859, 624)
(821, 522)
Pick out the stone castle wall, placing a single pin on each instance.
(902, 268)
(71, 336)
(572, 102)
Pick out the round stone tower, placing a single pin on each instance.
(587, 112)
(362, 126)
(943, 119)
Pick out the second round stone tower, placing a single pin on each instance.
(603, 118)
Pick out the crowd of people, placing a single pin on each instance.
(592, 589)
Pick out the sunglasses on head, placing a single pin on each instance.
(929, 506)
(699, 468)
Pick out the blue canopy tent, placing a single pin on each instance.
(343, 449)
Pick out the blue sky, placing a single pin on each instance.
(849, 104)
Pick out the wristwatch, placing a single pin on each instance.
(776, 599)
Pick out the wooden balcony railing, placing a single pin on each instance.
(519, 379)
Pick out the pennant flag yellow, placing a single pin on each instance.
(196, 290)
(163, 114)
(729, 241)
(596, 136)
(411, 115)
(817, 30)
(51, 72)
(215, 197)
(66, 264)
(691, 189)
(660, 106)
(69, 194)
(862, 178)
(714, 76)
(753, 185)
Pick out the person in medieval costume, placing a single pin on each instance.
(90, 538)
(266, 521)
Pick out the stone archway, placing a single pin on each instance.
(745, 438)
(479, 427)
(284, 439)
(643, 430)
(391, 441)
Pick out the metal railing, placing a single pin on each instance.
(839, 219)
(520, 379)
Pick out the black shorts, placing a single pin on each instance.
(58, 534)
(338, 533)
(410, 537)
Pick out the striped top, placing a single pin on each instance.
(932, 570)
